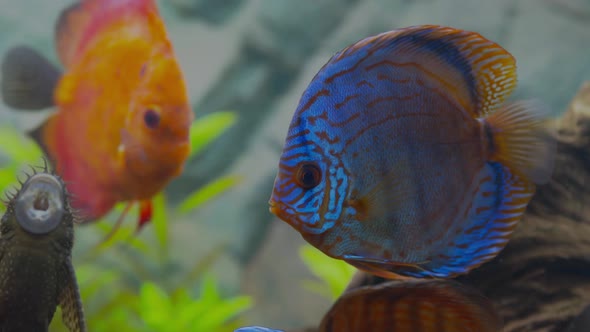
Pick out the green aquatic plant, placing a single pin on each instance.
(333, 274)
(179, 312)
(203, 132)
(16, 153)
(152, 308)
(117, 294)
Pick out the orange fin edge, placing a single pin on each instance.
(378, 270)
(146, 213)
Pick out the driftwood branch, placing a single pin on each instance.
(541, 280)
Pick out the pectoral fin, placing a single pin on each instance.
(391, 192)
(71, 303)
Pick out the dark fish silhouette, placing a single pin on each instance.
(36, 272)
(582, 322)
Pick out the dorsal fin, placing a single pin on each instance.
(69, 29)
(81, 20)
(478, 73)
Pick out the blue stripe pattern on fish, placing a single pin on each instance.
(256, 329)
(404, 159)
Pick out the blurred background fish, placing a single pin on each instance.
(121, 130)
(36, 271)
(256, 329)
(414, 306)
(581, 323)
(403, 159)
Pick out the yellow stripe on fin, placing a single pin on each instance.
(516, 137)
(493, 68)
(478, 73)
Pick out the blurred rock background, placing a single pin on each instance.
(256, 57)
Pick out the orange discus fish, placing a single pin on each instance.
(121, 129)
(415, 306)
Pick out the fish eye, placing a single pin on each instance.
(308, 176)
(40, 207)
(151, 118)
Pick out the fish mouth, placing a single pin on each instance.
(295, 219)
(275, 208)
(279, 210)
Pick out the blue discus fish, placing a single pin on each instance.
(403, 159)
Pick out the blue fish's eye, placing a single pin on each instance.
(151, 118)
(308, 175)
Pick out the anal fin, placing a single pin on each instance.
(499, 202)
(146, 211)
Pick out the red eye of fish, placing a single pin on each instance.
(151, 118)
(308, 176)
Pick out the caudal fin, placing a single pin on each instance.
(519, 140)
(28, 79)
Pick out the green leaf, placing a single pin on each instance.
(92, 279)
(224, 311)
(335, 274)
(122, 234)
(208, 192)
(209, 127)
(138, 244)
(209, 293)
(186, 314)
(200, 266)
(156, 307)
(123, 298)
(317, 287)
(18, 147)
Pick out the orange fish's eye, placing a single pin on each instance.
(151, 117)
(308, 175)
